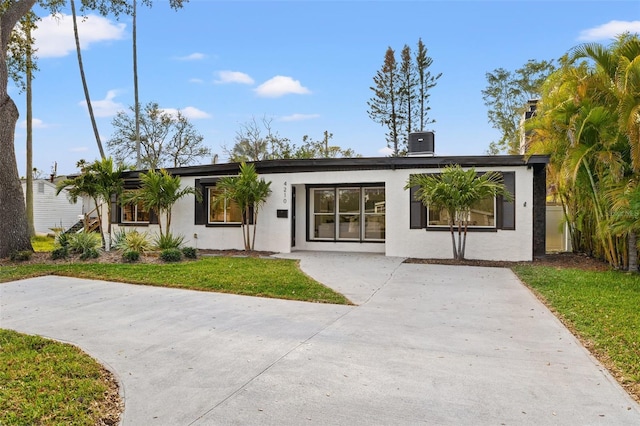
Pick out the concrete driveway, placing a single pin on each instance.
(426, 344)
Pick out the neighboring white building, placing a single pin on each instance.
(359, 205)
(51, 210)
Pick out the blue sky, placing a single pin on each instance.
(305, 65)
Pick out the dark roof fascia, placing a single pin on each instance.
(349, 164)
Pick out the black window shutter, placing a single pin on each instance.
(508, 208)
(153, 217)
(200, 207)
(417, 211)
(115, 210)
(250, 215)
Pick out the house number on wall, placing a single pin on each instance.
(284, 200)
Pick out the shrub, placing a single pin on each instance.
(62, 239)
(89, 253)
(133, 241)
(131, 255)
(20, 255)
(118, 238)
(83, 242)
(59, 253)
(171, 255)
(189, 252)
(168, 241)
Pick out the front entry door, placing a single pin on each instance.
(293, 216)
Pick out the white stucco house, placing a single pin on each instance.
(358, 205)
(50, 210)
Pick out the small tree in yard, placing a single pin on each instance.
(99, 180)
(456, 191)
(250, 193)
(158, 193)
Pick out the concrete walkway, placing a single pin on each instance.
(427, 344)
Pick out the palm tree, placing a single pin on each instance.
(27, 24)
(158, 193)
(83, 185)
(134, 16)
(456, 191)
(249, 193)
(84, 80)
(625, 219)
(101, 182)
(109, 184)
(612, 88)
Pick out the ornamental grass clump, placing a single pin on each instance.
(133, 241)
(168, 241)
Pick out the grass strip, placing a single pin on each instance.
(275, 278)
(48, 382)
(42, 243)
(602, 310)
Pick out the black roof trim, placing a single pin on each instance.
(348, 164)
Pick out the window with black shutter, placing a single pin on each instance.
(497, 213)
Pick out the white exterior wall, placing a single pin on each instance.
(511, 245)
(51, 210)
(274, 234)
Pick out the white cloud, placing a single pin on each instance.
(609, 31)
(225, 77)
(196, 80)
(299, 117)
(385, 151)
(192, 57)
(194, 113)
(36, 123)
(54, 35)
(279, 86)
(189, 112)
(106, 107)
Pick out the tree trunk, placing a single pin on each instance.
(14, 231)
(460, 253)
(633, 252)
(247, 237)
(255, 224)
(84, 81)
(464, 241)
(29, 167)
(453, 241)
(135, 82)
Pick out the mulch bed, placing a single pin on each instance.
(557, 260)
(115, 256)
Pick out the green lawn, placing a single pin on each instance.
(277, 278)
(43, 382)
(601, 307)
(42, 243)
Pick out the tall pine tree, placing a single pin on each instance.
(384, 106)
(401, 95)
(426, 81)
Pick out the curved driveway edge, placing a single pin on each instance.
(427, 344)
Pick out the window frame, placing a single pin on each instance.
(336, 213)
(136, 221)
(469, 227)
(505, 213)
(226, 208)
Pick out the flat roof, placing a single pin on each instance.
(360, 163)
